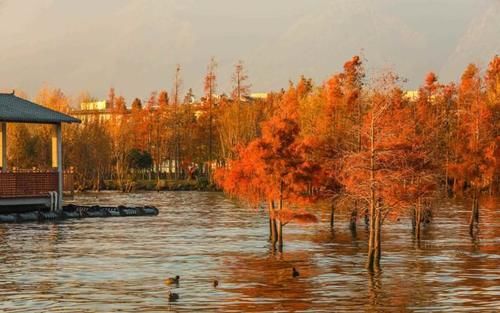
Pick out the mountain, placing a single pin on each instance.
(135, 45)
(478, 44)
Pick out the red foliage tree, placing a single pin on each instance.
(387, 173)
(274, 168)
(474, 166)
(338, 129)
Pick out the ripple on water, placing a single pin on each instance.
(119, 264)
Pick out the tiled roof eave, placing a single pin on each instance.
(17, 110)
(39, 121)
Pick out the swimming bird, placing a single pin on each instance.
(172, 280)
(216, 283)
(172, 297)
(295, 273)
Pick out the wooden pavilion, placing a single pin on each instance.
(25, 188)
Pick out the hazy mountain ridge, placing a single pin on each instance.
(478, 44)
(134, 46)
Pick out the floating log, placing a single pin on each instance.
(78, 211)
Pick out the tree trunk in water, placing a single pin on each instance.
(270, 229)
(280, 224)
(280, 236)
(372, 201)
(275, 232)
(378, 231)
(269, 208)
(446, 175)
(476, 216)
(414, 220)
(332, 216)
(418, 221)
(354, 217)
(272, 225)
(371, 239)
(473, 215)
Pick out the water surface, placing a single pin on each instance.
(119, 264)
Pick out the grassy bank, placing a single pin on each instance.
(201, 184)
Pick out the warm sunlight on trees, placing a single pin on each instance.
(275, 169)
(360, 146)
(475, 162)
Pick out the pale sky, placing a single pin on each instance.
(134, 45)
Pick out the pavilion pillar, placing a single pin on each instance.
(3, 146)
(57, 161)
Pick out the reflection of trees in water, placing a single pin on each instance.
(265, 283)
(374, 291)
(398, 292)
(412, 285)
(448, 259)
(54, 264)
(477, 268)
(489, 231)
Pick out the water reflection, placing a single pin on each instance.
(113, 264)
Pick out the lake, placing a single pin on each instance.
(119, 264)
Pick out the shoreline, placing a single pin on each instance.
(152, 185)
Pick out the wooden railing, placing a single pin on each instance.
(27, 184)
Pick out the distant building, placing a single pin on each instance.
(259, 95)
(411, 95)
(95, 110)
(94, 105)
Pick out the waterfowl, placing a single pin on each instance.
(172, 280)
(295, 273)
(216, 283)
(172, 297)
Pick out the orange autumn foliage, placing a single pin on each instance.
(475, 163)
(274, 166)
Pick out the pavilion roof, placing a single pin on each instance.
(18, 110)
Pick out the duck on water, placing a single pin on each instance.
(172, 280)
(172, 296)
